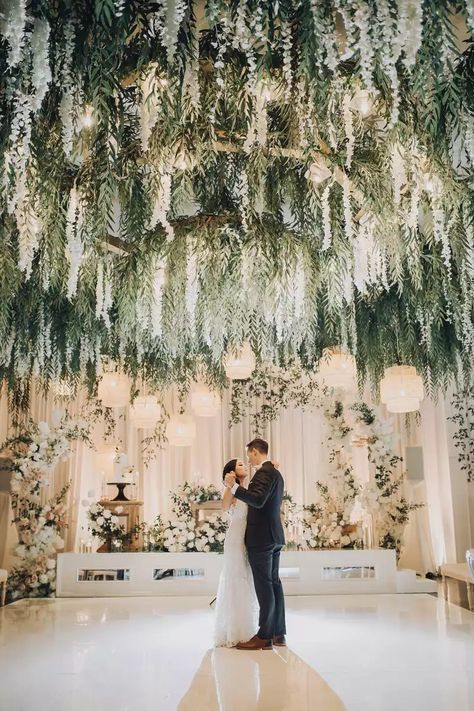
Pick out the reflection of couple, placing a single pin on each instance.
(252, 556)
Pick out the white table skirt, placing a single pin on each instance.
(302, 573)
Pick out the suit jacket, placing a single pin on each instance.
(263, 498)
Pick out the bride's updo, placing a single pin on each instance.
(229, 467)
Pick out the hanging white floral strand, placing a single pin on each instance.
(14, 31)
(74, 246)
(41, 73)
(410, 27)
(348, 128)
(398, 172)
(346, 199)
(326, 210)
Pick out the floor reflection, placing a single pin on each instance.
(229, 680)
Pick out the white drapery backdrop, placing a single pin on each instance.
(297, 441)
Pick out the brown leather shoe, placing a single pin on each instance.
(255, 643)
(279, 640)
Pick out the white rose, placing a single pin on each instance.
(191, 535)
(114, 519)
(100, 520)
(107, 513)
(44, 580)
(94, 509)
(20, 550)
(51, 564)
(345, 541)
(59, 543)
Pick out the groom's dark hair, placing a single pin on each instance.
(259, 444)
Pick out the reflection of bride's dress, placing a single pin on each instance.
(236, 607)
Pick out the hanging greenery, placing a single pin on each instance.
(463, 418)
(180, 176)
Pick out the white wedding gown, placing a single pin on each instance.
(236, 606)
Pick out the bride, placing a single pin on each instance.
(236, 607)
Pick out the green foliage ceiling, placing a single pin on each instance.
(177, 177)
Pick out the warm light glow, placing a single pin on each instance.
(401, 389)
(114, 390)
(338, 369)
(181, 431)
(204, 402)
(239, 364)
(362, 102)
(87, 118)
(145, 412)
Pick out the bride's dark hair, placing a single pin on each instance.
(229, 467)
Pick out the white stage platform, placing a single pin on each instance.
(192, 574)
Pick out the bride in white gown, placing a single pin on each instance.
(236, 607)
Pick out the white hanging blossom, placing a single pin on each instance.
(14, 31)
(414, 206)
(149, 106)
(20, 136)
(65, 79)
(162, 205)
(468, 126)
(362, 248)
(299, 288)
(119, 7)
(389, 52)
(287, 44)
(326, 210)
(192, 284)
(41, 73)
(29, 229)
(244, 198)
(99, 290)
(410, 28)
(74, 245)
(346, 200)
(348, 128)
(157, 300)
(167, 21)
(362, 20)
(398, 172)
(470, 14)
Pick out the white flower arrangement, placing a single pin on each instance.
(35, 454)
(103, 524)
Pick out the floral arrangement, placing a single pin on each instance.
(327, 522)
(103, 524)
(35, 454)
(185, 536)
(188, 494)
(463, 419)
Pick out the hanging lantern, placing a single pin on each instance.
(145, 412)
(104, 461)
(181, 431)
(240, 364)
(204, 403)
(114, 390)
(338, 369)
(401, 389)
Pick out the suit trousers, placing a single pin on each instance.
(264, 562)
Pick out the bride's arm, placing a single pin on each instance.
(227, 500)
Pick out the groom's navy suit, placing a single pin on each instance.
(264, 539)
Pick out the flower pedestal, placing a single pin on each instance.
(129, 514)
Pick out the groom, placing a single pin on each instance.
(264, 539)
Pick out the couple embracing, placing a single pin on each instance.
(250, 586)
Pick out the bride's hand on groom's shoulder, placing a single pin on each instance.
(276, 463)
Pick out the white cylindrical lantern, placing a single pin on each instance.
(401, 389)
(114, 390)
(240, 364)
(104, 461)
(204, 403)
(145, 412)
(181, 431)
(337, 369)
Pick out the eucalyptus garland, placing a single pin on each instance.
(177, 177)
(463, 418)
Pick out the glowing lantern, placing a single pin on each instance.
(401, 389)
(240, 364)
(114, 390)
(338, 369)
(181, 431)
(204, 402)
(145, 412)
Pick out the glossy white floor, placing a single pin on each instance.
(380, 652)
